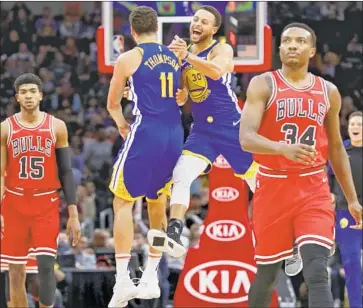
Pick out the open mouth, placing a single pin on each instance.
(196, 32)
(355, 133)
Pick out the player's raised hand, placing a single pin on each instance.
(181, 96)
(355, 209)
(301, 153)
(179, 47)
(74, 228)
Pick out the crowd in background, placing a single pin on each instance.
(61, 49)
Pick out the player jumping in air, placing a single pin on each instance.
(152, 147)
(207, 77)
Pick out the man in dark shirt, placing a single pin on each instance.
(348, 239)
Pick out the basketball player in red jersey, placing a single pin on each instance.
(291, 123)
(35, 163)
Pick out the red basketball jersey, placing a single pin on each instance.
(31, 161)
(295, 116)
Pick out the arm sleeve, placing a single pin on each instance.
(66, 175)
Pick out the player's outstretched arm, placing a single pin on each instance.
(219, 63)
(258, 94)
(126, 64)
(338, 156)
(4, 153)
(66, 178)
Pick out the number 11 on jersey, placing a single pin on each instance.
(167, 84)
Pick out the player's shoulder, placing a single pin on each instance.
(5, 128)
(59, 125)
(221, 48)
(130, 56)
(262, 81)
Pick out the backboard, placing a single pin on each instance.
(244, 27)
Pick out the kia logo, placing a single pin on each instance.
(225, 230)
(221, 162)
(220, 282)
(225, 194)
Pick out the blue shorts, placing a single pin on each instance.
(208, 144)
(145, 163)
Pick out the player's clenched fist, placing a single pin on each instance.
(181, 96)
(301, 153)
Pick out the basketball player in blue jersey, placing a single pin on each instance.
(207, 74)
(153, 144)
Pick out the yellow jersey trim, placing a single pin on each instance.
(209, 168)
(140, 50)
(121, 190)
(250, 173)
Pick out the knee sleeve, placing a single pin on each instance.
(262, 287)
(315, 270)
(187, 169)
(315, 262)
(46, 279)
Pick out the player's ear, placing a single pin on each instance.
(312, 52)
(17, 97)
(41, 95)
(215, 29)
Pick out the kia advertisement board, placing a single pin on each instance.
(220, 270)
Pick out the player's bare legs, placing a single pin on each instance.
(187, 169)
(177, 211)
(149, 283)
(123, 232)
(157, 216)
(17, 276)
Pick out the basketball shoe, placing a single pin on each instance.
(168, 242)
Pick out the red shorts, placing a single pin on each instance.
(288, 209)
(31, 223)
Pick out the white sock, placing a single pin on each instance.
(153, 261)
(122, 262)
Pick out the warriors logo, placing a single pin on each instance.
(197, 85)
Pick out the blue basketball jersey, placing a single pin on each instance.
(154, 84)
(214, 101)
